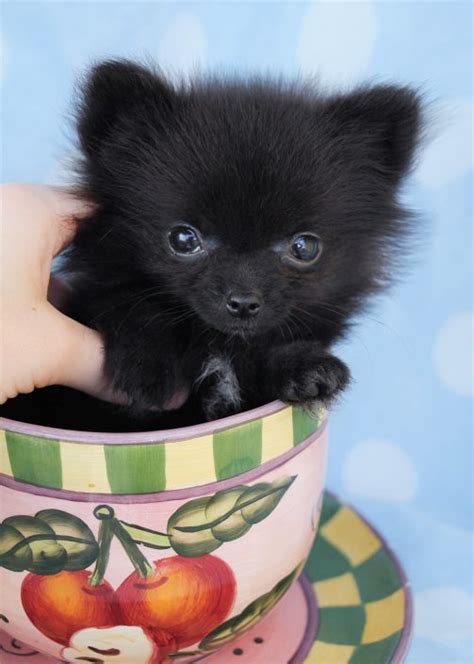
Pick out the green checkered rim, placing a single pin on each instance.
(364, 604)
(121, 468)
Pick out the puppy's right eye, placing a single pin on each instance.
(306, 247)
(185, 241)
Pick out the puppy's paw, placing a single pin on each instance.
(317, 378)
(219, 388)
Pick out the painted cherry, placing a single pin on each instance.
(185, 597)
(66, 602)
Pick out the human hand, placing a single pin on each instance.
(39, 345)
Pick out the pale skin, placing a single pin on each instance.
(40, 346)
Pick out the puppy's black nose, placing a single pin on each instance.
(243, 305)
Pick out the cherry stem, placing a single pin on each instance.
(105, 514)
(110, 526)
(105, 537)
(138, 560)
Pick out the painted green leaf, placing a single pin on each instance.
(48, 556)
(13, 557)
(184, 653)
(80, 545)
(48, 543)
(202, 525)
(198, 543)
(221, 504)
(257, 502)
(250, 615)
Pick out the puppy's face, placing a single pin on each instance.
(242, 246)
(254, 204)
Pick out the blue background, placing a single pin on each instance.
(401, 441)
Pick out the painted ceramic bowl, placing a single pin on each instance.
(158, 546)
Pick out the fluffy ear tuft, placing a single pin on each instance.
(110, 90)
(387, 119)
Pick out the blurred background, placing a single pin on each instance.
(401, 439)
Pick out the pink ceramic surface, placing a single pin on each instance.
(133, 548)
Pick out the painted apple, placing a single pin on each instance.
(64, 603)
(185, 597)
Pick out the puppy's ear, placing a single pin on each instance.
(385, 123)
(112, 91)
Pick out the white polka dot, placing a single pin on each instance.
(453, 354)
(183, 46)
(444, 614)
(337, 40)
(448, 151)
(380, 470)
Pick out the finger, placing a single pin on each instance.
(79, 358)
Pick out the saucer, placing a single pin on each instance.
(351, 605)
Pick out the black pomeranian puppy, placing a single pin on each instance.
(239, 225)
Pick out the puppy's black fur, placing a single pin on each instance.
(251, 165)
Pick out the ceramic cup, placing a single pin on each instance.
(154, 547)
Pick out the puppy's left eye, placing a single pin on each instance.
(185, 241)
(305, 248)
